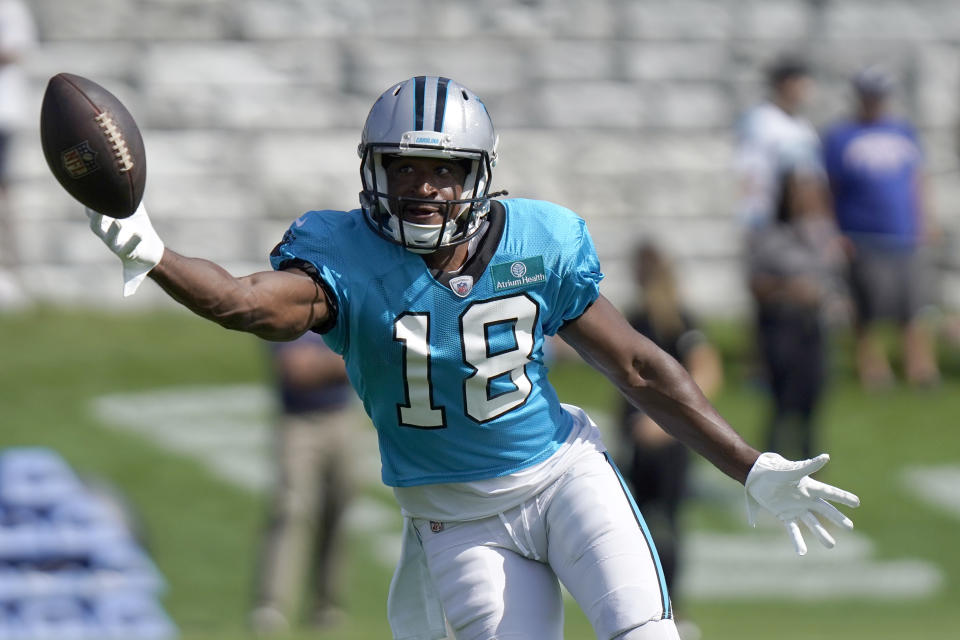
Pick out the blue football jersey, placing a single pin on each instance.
(450, 366)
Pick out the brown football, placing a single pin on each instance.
(93, 145)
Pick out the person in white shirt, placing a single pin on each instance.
(774, 140)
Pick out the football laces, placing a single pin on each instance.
(119, 145)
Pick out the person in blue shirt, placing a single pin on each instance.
(875, 166)
(439, 296)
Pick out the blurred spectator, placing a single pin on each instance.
(794, 266)
(792, 251)
(657, 469)
(298, 568)
(875, 166)
(17, 36)
(775, 140)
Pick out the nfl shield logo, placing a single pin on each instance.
(435, 526)
(79, 160)
(462, 285)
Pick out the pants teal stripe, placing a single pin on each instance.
(665, 597)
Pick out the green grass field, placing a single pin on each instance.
(202, 531)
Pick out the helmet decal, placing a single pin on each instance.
(430, 110)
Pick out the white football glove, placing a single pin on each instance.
(133, 240)
(785, 488)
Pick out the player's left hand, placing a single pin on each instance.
(785, 488)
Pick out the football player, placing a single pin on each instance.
(439, 297)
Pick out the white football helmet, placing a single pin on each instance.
(427, 116)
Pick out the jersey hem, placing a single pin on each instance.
(484, 474)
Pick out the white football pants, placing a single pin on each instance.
(497, 578)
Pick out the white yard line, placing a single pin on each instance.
(756, 565)
(938, 487)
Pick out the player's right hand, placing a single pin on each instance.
(785, 488)
(133, 240)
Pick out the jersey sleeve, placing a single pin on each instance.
(580, 276)
(310, 244)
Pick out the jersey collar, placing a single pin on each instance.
(477, 263)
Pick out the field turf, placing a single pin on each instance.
(202, 531)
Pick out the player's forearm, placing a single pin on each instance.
(203, 287)
(659, 385)
(664, 389)
(211, 292)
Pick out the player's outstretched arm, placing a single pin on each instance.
(658, 384)
(273, 305)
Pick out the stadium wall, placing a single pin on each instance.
(621, 110)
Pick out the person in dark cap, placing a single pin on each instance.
(873, 83)
(875, 166)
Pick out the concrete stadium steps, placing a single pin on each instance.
(621, 110)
